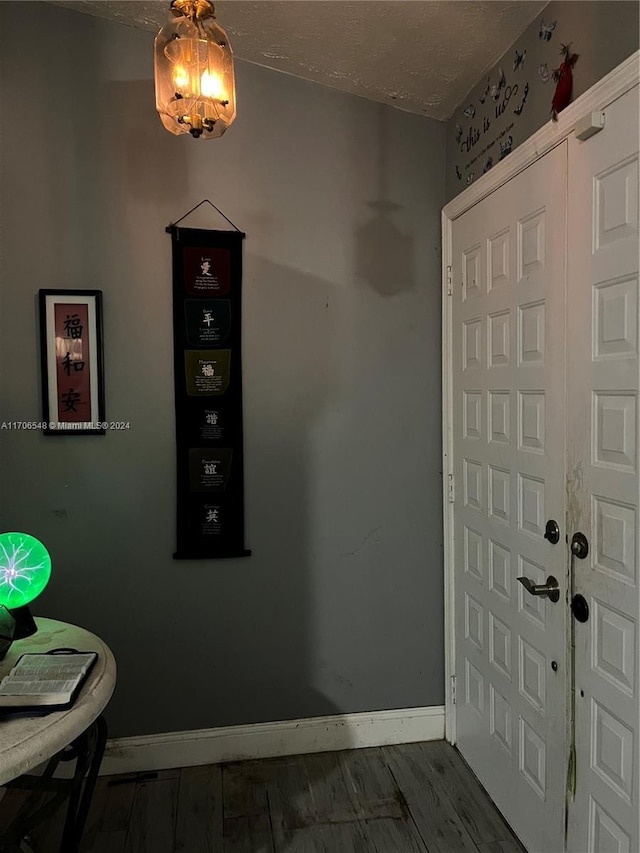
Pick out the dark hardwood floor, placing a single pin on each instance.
(396, 799)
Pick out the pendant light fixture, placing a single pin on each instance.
(195, 88)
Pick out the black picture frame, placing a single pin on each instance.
(72, 361)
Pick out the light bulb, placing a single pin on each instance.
(180, 78)
(211, 85)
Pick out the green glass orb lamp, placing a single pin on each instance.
(25, 569)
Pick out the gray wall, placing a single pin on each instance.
(340, 607)
(603, 34)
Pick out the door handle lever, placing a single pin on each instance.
(549, 589)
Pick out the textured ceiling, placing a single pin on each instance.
(422, 55)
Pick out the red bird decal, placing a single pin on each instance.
(564, 79)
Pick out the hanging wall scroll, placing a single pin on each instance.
(207, 302)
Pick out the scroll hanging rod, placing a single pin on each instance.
(172, 225)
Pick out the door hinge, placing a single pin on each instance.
(452, 489)
(453, 690)
(449, 280)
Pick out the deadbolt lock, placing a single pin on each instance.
(580, 608)
(552, 532)
(579, 545)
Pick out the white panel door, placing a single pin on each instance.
(508, 272)
(603, 484)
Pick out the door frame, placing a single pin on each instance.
(600, 95)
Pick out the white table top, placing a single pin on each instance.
(29, 741)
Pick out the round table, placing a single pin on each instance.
(27, 742)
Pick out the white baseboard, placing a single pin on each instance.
(267, 740)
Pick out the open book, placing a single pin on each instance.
(42, 680)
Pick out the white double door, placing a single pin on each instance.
(545, 406)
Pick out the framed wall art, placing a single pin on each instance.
(72, 362)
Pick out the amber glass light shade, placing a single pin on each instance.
(195, 86)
